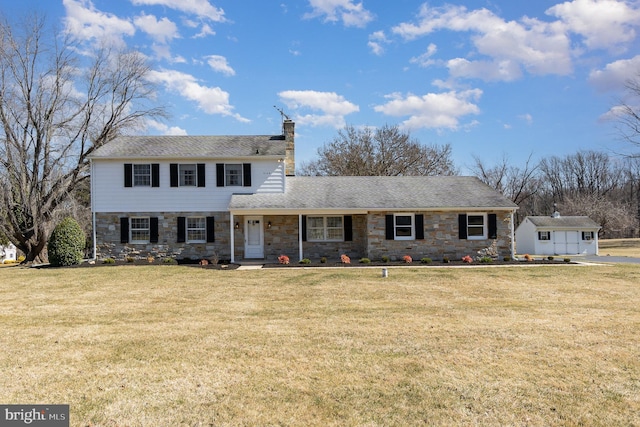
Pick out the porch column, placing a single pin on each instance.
(513, 237)
(300, 251)
(232, 237)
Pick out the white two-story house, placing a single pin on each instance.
(236, 197)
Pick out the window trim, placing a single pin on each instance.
(132, 229)
(325, 228)
(227, 176)
(192, 167)
(202, 229)
(591, 235)
(485, 226)
(542, 233)
(412, 226)
(134, 175)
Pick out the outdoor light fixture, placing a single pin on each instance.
(269, 224)
(237, 225)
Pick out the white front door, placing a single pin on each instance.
(253, 237)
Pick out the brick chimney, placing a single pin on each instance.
(289, 137)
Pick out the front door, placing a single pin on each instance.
(253, 237)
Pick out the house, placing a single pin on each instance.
(557, 235)
(236, 198)
(8, 253)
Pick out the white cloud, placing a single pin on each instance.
(425, 60)
(211, 100)
(604, 24)
(376, 42)
(538, 47)
(205, 31)
(528, 118)
(162, 31)
(84, 22)
(219, 63)
(351, 14)
(332, 107)
(433, 110)
(165, 129)
(615, 74)
(201, 8)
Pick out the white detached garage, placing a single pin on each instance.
(557, 235)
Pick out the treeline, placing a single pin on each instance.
(592, 183)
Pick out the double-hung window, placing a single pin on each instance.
(325, 228)
(544, 235)
(476, 226)
(196, 230)
(403, 226)
(140, 230)
(232, 175)
(587, 235)
(142, 175)
(188, 175)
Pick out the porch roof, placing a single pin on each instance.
(564, 222)
(374, 193)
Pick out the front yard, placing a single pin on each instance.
(176, 345)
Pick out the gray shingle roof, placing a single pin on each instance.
(563, 222)
(230, 146)
(376, 193)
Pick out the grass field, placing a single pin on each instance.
(175, 345)
(620, 247)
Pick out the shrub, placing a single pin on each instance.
(407, 259)
(385, 258)
(445, 260)
(305, 261)
(550, 258)
(169, 260)
(344, 258)
(323, 260)
(365, 261)
(21, 258)
(283, 259)
(150, 259)
(567, 260)
(467, 259)
(426, 260)
(66, 244)
(108, 261)
(215, 258)
(130, 259)
(486, 259)
(506, 259)
(528, 257)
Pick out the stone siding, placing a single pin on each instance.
(109, 246)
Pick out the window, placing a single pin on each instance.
(196, 230)
(476, 226)
(403, 226)
(140, 230)
(587, 235)
(325, 228)
(544, 235)
(188, 175)
(141, 175)
(232, 175)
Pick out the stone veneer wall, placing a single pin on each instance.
(109, 246)
(440, 238)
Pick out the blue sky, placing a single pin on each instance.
(493, 78)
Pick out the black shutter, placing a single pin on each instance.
(493, 226)
(462, 226)
(128, 175)
(155, 174)
(389, 227)
(246, 174)
(153, 229)
(182, 229)
(124, 230)
(201, 174)
(304, 228)
(419, 227)
(173, 174)
(348, 228)
(219, 174)
(211, 229)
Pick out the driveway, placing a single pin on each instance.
(615, 259)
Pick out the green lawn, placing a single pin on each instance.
(176, 345)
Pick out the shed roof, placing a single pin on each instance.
(582, 222)
(308, 193)
(226, 146)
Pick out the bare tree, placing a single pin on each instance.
(54, 113)
(387, 151)
(628, 113)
